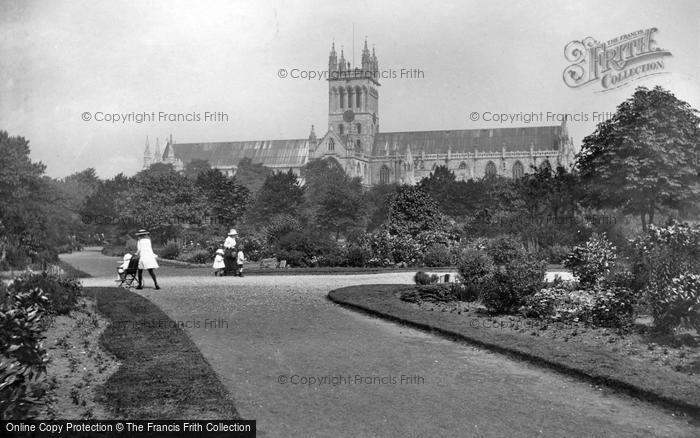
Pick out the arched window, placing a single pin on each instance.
(359, 128)
(341, 129)
(490, 170)
(358, 145)
(342, 98)
(384, 175)
(331, 145)
(518, 170)
(359, 169)
(357, 97)
(462, 165)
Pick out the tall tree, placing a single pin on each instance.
(342, 208)
(645, 157)
(226, 199)
(281, 193)
(252, 176)
(412, 211)
(195, 167)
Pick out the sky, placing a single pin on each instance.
(62, 59)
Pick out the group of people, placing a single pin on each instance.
(227, 260)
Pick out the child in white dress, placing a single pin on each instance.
(219, 264)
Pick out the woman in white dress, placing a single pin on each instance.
(147, 259)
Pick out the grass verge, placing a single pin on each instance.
(644, 381)
(162, 374)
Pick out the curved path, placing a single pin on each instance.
(267, 337)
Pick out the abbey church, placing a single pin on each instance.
(354, 139)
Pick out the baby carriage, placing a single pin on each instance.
(127, 278)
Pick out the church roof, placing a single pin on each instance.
(469, 140)
(268, 152)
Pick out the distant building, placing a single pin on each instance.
(353, 139)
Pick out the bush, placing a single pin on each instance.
(440, 292)
(170, 251)
(556, 254)
(293, 258)
(509, 287)
(504, 249)
(661, 255)
(475, 269)
(437, 255)
(61, 293)
(200, 256)
(592, 261)
(422, 278)
(612, 307)
(681, 304)
(357, 257)
(22, 358)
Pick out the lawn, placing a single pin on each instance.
(569, 349)
(162, 374)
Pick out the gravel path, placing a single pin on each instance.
(268, 337)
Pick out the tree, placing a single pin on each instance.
(252, 176)
(161, 201)
(225, 200)
(281, 193)
(342, 208)
(195, 167)
(645, 157)
(377, 204)
(412, 211)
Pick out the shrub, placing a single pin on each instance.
(61, 293)
(22, 358)
(437, 255)
(440, 292)
(661, 255)
(357, 257)
(681, 304)
(509, 287)
(422, 278)
(504, 249)
(612, 307)
(475, 269)
(293, 258)
(592, 261)
(556, 254)
(199, 256)
(170, 251)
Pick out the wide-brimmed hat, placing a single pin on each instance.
(232, 232)
(127, 256)
(142, 232)
(219, 251)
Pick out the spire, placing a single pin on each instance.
(333, 59)
(341, 63)
(147, 152)
(375, 62)
(147, 158)
(312, 135)
(157, 157)
(366, 58)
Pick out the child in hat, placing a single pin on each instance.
(219, 264)
(124, 264)
(240, 258)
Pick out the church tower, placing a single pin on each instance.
(353, 99)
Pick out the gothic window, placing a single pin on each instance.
(331, 145)
(518, 170)
(490, 170)
(341, 129)
(357, 97)
(462, 165)
(359, 169)
(359, 128)
(384, 175)
(358, 145)
(342, 99)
